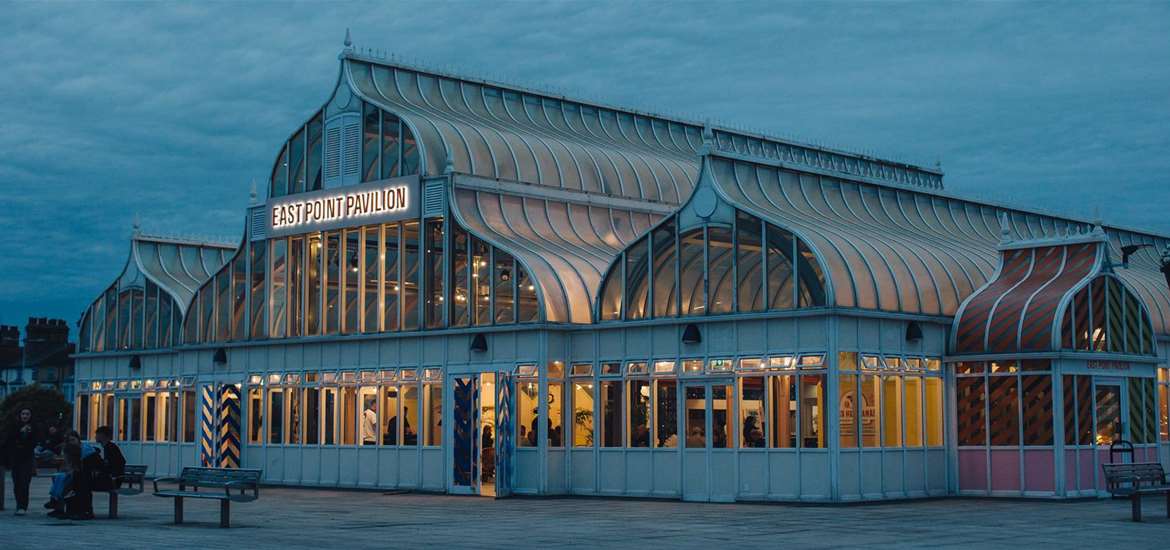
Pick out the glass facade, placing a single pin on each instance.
(711, 270)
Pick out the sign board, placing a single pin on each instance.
(351, 206)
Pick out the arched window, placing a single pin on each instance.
(714, 269)
(1106, 316)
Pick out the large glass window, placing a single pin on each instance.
(390, 287)
(1037, 409)
(190, 405)
(434, 274)
(556, 399)
(410, 260)
(582, 413)
(293, 397)
(333, 283)
(749, 260)
(481, 282)
(239, 295)
(784, 410)
(639, 413)
(433, 393)
(279, 296)
(348, 416)
(666, 413)
(280, 174)
(390, 145)
(296, 286)
(753, 407)
(223, 305)
(390, 414)
(312, 416)
(527, 418)
(258, 328)
(637, 279)
(370, 145)
(462, 298)
(526, 304)
(665, 271)
(255, 415)
(970, 400)
(313, 182)
(892, 411)
(410, 415)
(353, 271)
(368, 415)
(720, 277)
(276, 416)
(913, 410)
(611, 413)
(1003, 410)
(296, 148)
(812, 409)
(313, 271)
(934, 411)
(372, 264)
(847, 405)
(696, 415)
(505, 295)
(329, 416)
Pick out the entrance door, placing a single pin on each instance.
(481, 428)
(708, 454)
(464, 439)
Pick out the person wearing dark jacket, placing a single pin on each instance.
(115, 462)
(20, 445)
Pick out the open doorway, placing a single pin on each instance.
(487, 434)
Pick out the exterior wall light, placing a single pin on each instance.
(219, 360)
(913, 331)
(691, 334)
(135, 362)
(478, 343)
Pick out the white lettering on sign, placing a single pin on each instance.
(357, 204)
(1107, 365)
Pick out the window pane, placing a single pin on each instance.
(1164, 412)
(223, 304)
(503, 283)
(749, 262)
(891, 411)
(1037, 403)
(150, 405)
(779, 265)
(280, 174)
(527, 420)
(347, 418)
(135, 407)
(314, 180)
(313, 315)
(721, 427)
(611, 413)
(293, 396)
(913, 411)
(390, 145)
(639, 413)
(637, 279)
(753, 412)
(329, 416)
(434, 408)
(434, 274)
(297, 163)
(391, 287)
(691, 261)
(390, 415)
(276, 416)
(258, 328)
(870, 405)
(784, 404)
(812, 280)
(150, 338)
(556, 399)
(696, 406)
(526, 305)
(370, 145)
(368, 400)
(481, 283)
(312, 416)
(372, 265)
(296, 285)
(582, 414)
(279, 272)
(1135, 418)
(409, 153)
(409, 415)
(1108, 414)
(665, 271)
(847, 403)
(239, 295)
(812, 409)
(934, 412)
(666, 430)
(255, 415)
(970, 401)
(720, 278)
(82, 416)
(333, 283)
(353, 254)
(410, 261)
(1003, 405)
(611, 295)
(189, 408)
(461, 296)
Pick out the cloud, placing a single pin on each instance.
(170, 110)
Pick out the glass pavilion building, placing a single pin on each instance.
(461, 286)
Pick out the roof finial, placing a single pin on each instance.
(449, 168)
(1005, 232)
(252, 194)
(708, 138)
(348, 43)
(137, 229)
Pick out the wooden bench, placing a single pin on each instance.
(1136, 480)
(227, 485)
(131, 482)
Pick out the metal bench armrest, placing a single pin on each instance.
(242, 486)
(163, 479)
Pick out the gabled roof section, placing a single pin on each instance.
(505, 132)
(177, 265)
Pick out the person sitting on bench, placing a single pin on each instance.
(115, 463)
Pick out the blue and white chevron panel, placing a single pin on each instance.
(228, 444)
(206, 427)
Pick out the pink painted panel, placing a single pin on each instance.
(972, 470)
(1087, 469)
(1005, 470)
(1040, 470)
(1102, 458)
(1071, 471)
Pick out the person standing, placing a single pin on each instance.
(21, 445)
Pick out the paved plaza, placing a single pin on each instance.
(364, 519)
